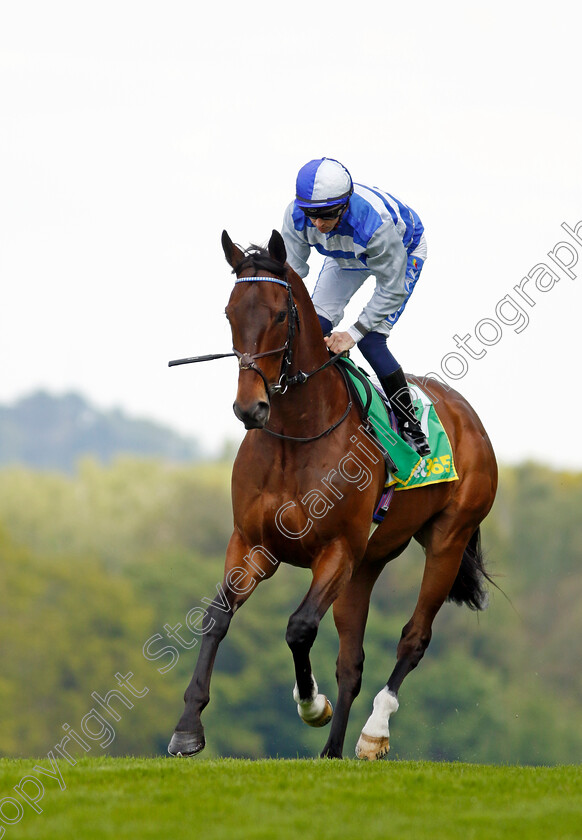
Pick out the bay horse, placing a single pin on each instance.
(304, 492)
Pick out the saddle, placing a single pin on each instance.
(405, 469)
(379, 420)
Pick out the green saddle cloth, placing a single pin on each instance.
(412, 469)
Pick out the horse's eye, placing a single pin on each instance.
(281, 316)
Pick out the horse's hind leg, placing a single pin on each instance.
(444, 551)
(350, 612)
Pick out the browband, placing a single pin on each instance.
(266, 279)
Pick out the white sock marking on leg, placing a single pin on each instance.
(385, 704)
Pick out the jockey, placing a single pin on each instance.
(361, 231)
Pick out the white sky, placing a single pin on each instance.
(132, 133)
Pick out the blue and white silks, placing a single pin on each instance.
(378, 235)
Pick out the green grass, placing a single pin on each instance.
(168, 798)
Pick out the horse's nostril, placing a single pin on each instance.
(262, 412)
(254, 417)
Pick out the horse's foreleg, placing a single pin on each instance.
(350, 612)
(188, 738)
(443, 559)
(243, 570)
(331, 573)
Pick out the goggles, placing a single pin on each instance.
(324, 212)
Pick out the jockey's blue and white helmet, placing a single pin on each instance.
(323, 182)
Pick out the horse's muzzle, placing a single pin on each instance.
(255, 416)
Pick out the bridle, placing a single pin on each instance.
(247, 361)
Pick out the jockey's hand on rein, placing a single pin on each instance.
(338, 342)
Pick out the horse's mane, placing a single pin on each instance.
(259, 259)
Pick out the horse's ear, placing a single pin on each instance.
(277, 247)
(232, 253)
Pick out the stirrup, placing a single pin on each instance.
(415, 437)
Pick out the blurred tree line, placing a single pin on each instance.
(95, 564)
(46, 431)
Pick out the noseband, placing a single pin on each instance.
(246, 361)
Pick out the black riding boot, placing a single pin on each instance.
(396, 389)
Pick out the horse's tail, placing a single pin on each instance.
(470, 584)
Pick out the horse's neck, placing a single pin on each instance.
(316, 402)
(310, 349)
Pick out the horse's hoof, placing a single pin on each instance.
(372, 748)
(329, 752)
(320, 713)
(186, 744)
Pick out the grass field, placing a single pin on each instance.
(167, 798)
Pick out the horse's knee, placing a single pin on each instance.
(217, 624)
(301, 632)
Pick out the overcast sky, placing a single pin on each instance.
(132, 133)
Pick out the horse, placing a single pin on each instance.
(300, 496)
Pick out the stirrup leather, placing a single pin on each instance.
(396, 389)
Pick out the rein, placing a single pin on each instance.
(246, 361)
(332, 427)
